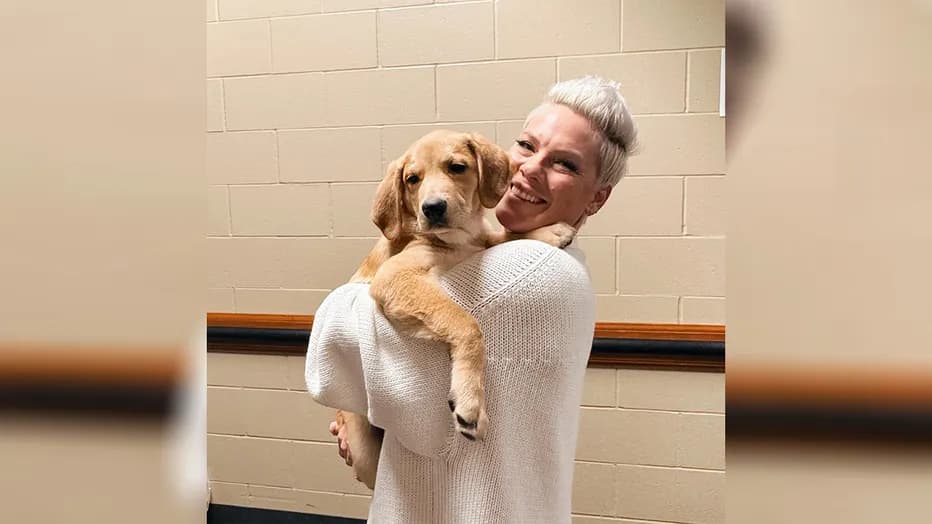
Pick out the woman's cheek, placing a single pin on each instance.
(513, 164)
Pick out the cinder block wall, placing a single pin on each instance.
(307, 103)
(651, 444)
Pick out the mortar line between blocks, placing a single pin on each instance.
(621, 25)
(495, 29)
(230, 216)
(612, 409)
(651, 466)
(617, 265)
(436, 101)
(276, 156)
(615, 517)
(481, 120)
(223, 104)
(338, 12)
(683, 207)
(378, 55)
(330, 208)
(271, 54)
(686, 82)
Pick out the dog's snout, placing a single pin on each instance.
(435, 210)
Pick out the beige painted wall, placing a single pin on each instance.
(651, 444)
(309, 100)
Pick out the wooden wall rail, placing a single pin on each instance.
(90, 381)
(692, 347)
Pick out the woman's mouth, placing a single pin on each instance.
(520, 194)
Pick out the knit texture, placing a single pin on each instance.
(536, 309)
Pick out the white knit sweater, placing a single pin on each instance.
(536, 309)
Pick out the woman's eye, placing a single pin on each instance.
(524, 144)
(456, 167)
(413, 179)
(568, 165)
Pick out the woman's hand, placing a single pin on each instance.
(338, 430)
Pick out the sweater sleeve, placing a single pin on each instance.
(359, 362)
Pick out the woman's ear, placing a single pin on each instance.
(494, 170)
(388, 206)
(598, 200)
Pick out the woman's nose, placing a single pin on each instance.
(531, 167)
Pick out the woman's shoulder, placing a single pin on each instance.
(531, 253)
(525, 264)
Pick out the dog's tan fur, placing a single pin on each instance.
(469, 174)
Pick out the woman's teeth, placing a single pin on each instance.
(525, 196)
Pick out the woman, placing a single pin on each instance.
(536, 309)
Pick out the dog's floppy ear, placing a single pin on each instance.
(494, 171)
(388, 207)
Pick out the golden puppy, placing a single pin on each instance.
(429, 208)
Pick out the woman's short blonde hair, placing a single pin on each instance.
(600, 101)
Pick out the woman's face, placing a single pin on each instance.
(555, 162)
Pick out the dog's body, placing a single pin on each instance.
(430, 210)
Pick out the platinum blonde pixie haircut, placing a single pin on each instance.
(600, 101)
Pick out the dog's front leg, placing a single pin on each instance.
(557, 235)
(373, 261)
(411, 298)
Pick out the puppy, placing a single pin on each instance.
(429, 208)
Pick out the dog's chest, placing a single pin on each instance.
(441, 262)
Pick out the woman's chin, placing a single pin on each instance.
(513, 218)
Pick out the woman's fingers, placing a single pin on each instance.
(339, 431)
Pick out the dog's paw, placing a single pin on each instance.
(470, 421)
(467, 406)
(557, 235)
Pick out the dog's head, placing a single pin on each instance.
(440, 184)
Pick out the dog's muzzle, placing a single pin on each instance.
(435, 211)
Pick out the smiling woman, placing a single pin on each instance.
(570, 154)
(531, 305)
(307, 109)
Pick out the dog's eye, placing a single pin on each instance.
(413, 179)
(456, 167)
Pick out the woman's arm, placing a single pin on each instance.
(333, 369)
(359, 362)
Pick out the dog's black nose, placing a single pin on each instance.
(435, 210)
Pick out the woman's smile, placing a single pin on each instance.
(525, 195)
